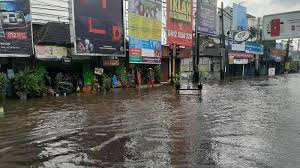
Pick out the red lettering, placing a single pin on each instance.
(16, 35)
(103, 4)
(116, 33)
(95, 30)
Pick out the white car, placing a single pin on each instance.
(12, 20)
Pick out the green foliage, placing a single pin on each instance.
(31, 80)
(3, 85)
(157, 73)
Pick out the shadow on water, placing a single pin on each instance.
(238, 123)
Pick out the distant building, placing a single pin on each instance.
(228, 20)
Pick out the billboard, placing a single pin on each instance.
(277, 55)
(98, 27)
(281, 26)
(50, 52)
(254, 48)
(180, 22)
(144, 31)
(240, 20)
(207, 17)
(15, 28)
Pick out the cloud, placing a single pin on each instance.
(260, 8)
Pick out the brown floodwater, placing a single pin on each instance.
(250, 123)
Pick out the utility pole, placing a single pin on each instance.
(222, 74)
(287, 53)
(172, 62)
(196, 54)
(258, 38)
(197, 59)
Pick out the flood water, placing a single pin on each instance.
(250, 123)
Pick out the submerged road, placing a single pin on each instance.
(251, 123)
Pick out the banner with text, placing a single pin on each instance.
(240, 20)
(281, 26)
(15, 28)
(50, 52)
(180, 22)
(144, 31)
(207, 17)
(99, 27)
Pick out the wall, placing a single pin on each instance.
(44, 11)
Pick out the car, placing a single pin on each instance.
(11, 20)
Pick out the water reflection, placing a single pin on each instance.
(240, 123)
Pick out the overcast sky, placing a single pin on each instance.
(260, 8)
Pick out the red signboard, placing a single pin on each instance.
(241, 55)
(179, 22)
(275, 29)
(135, 52)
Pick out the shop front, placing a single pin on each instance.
(241, 64)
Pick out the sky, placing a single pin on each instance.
(260, 8)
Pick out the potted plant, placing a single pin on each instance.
(30, 81)
(3, 85)
(22, 84)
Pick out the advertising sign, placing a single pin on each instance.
(278, 55)
(238, 46)
(240, 20)
(98, 71)
(50, 52)
(179, 22)
(111, 62)
(272, 72)
(241, 55)
(144, 31)
(15, 28)
(98, 27)
(254, 48)
(281, 26)
(207, 17)
(240, 61)
(241, 36)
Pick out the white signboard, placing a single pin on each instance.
(242, 36)
(271, 72)
(281, 26)
(239, 47)
(241, 61)
(98, 71)
(50, 52)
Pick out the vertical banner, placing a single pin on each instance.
(240, 20)
(180, 22)
(207, 17)
(144, 31)
(15, 28)
(98, 27)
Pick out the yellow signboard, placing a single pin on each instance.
(144, 28)
(181, 10)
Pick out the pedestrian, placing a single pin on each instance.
(115, 81)
(138, 78)
(150, 78)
